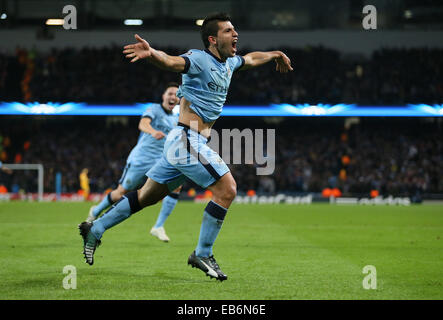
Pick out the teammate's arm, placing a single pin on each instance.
(145, 126)
(142, 50)
(258, 58)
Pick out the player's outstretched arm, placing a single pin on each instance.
(145, 126)
(142, 50)
(257, 58)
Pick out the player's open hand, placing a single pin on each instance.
(139, 50)
(158, 135)
(283, 64)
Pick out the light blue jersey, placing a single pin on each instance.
(206, 80)
(149, 149)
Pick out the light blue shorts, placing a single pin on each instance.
(134, 176)
(186, 154)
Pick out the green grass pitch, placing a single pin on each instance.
(283, 252)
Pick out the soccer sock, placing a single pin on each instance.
(212, 221)
(119, 212)
(106, 202)
(168, 205)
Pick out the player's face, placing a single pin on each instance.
(170, 99)
(227, 39)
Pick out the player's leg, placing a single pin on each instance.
(132, 202)
(86, 192)
(163, 179)
(111, 198)
(207, 169)
(168, 204)
(224, 192)
(132, 178)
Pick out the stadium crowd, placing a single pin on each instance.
(388, 76)
(395, 159)
(309, 157)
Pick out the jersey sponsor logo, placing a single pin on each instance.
(217, 88)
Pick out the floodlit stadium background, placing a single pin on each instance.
(360, 116)
(358, 159)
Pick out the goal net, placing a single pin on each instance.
(29, 166)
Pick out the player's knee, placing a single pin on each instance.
(116, 195)
(231, 191)
(120, 192)
(228, 192)
(151, 193)
(143, 197)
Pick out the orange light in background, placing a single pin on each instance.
(342, 174)
(191, 192)
(250, 193)
(208, 194)
(3, 189)
(345, 160)
(374, 193)
(26, 145)
(326, 193)
(18, 158)
(7, 142)
(336, 193)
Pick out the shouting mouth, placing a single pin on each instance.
(234, 45)
(172, 103)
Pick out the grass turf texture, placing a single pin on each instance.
(268, 252)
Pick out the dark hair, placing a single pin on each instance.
(171, 84)
(210, 26)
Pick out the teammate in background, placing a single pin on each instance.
(84, 183)
(155, 124)
(205, 81)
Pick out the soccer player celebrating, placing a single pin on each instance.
(205, 81)
(155, 124)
